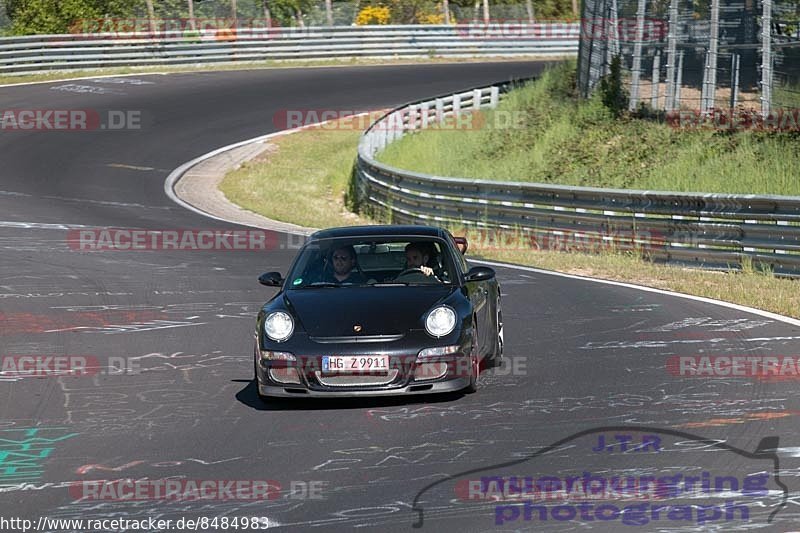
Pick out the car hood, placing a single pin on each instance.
(333, 312)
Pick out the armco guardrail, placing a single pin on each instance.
(707, 230)
(82, 51)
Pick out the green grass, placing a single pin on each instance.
(304, 177)
(786, 95)
(302, 183)
(565, 142)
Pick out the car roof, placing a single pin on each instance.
(381, 231)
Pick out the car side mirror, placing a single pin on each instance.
(479, 274)
(271, 279)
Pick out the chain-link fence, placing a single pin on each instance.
(785, 90)
(699, 55)
(5, 22)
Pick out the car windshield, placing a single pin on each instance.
(373, 262)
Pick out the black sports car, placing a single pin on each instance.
(378, 310)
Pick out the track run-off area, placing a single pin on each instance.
(592, 387)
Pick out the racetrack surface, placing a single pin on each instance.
(581, 355)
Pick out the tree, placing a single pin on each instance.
(612, 91)
(62, 16)
(534, 9)
(192, 23)
(151, 15)
(267, 13)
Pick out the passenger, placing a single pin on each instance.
(345, 267)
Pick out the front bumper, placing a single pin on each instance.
(286, 391)
(440, 374)
(407, 374)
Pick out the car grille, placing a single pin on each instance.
(357, 338)
(356, 380)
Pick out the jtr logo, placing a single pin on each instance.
(626, 443)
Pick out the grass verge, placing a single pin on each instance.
(543, 133)
(303, 177)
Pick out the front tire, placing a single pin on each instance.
(497, 355)
(475, 364)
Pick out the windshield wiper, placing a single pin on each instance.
(389, 284)
(323, 284)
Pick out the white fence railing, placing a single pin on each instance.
(84, 51)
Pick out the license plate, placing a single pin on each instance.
(355, 363)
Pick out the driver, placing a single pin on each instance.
(417, 256)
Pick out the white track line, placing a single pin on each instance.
(177, 174)
(84, 78)
(766, 314)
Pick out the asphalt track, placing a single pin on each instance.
(582, 356)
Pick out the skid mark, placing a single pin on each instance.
(749, 417)
(25, 323)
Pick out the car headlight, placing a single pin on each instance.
(438, 351)
(440, 321)
(279, 326)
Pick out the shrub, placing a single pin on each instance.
(373, 15)
(430, 18)
(612, 92)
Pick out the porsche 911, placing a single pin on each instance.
(375, 311)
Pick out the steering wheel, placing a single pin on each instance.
(415, 274)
